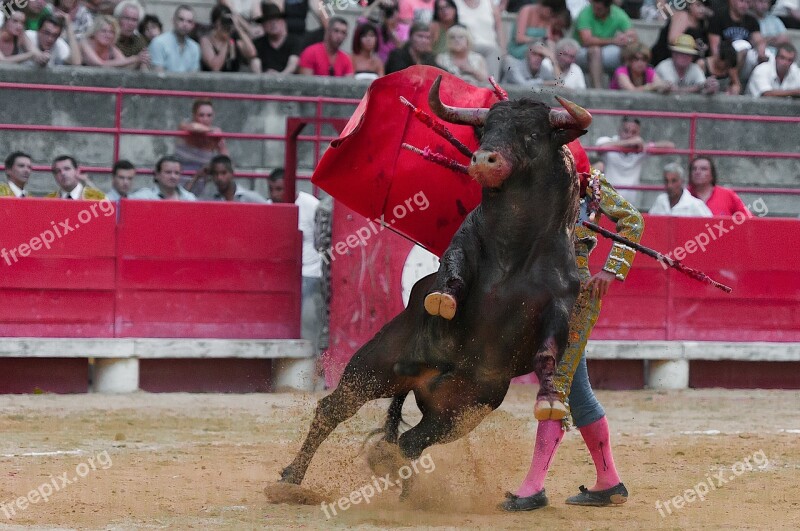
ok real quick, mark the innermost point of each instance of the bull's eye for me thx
(530, 140)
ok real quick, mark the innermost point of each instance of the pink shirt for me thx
(724, 202)
(614, 84)
(315, 57)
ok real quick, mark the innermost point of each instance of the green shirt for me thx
(616, 21)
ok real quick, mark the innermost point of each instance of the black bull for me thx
(499, 305)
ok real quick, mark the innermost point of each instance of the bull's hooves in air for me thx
(441, 304)
(550, 410)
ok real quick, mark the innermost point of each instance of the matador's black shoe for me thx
(515, 503)
(616, 495)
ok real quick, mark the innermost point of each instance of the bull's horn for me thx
(454, 115)
(572, 116)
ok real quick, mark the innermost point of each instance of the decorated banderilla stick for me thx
(675, 264)
(437, 127)
(438, 158)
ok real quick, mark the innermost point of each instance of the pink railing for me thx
(317, 138)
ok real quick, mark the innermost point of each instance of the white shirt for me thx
(765, 78)
(622, 169)
(17, 191)
(307, 206)
(74, 194)
(782, 7)
(667, 72)
(574, 78)
(153, 193)
(58, 55)
(687, 206)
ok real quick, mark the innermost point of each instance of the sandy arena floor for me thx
(202, 462)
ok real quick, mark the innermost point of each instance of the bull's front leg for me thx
(549, 404)
(450, 285)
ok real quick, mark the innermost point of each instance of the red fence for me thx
(164, 269)
(757, 258)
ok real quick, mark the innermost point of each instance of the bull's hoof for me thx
(385, 459)
(550, 410)
(441, 304)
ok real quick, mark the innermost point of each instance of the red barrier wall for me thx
(148, 269)
(758, 259)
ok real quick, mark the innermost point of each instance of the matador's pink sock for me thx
(548, 437)
(598, 441)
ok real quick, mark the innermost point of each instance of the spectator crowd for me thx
(708, 47)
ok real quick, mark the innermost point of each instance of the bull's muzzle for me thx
(489, 168)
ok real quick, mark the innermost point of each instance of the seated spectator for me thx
(789, 12)
(637, 74)
(167, 183)
(722, 69)
(485, 24)
(391, 36)
(278, 51)
(15, 46)
(130, 43)
(693, 21)
(445, 16)
(35, 12)
(325, 58)
(703, 185)
(602, 29)
(226, 188)
(196, 149)
(220, 51)
(98, 48)
(460, 60)
(76, 14)
(175, 51)
(417, 51)
(532, 26)
(572, 77)
(771, 27)
(778, 78)
(18, 171)
(71, 182)
(54, 50)
(413, 11)
(680, 72)
(741, 28)
(150, 28)
(122, 174)
(676, 200)
(559, 27)
(366, 63)
(296, 14)
(535, 71)
(623, 165)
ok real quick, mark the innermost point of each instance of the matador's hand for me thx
(598, 285)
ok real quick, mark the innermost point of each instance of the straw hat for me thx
(684, 44)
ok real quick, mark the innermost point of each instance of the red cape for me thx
(367, 169)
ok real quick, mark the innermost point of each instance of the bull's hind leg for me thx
(368, 376)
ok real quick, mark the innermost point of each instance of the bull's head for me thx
(517, 136)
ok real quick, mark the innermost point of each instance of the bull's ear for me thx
(565, 136)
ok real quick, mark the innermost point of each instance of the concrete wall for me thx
(36, 107)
